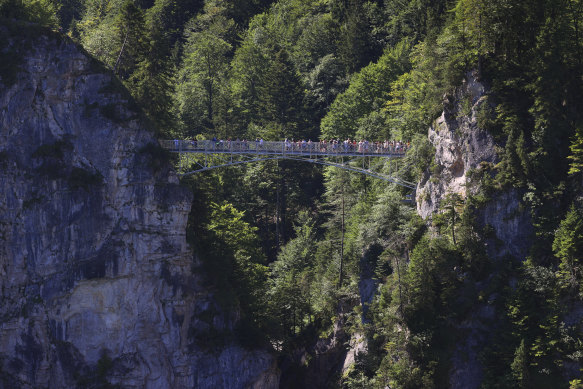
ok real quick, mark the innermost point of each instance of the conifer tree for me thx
(151, 82)
(130, 27)
(576, 156)
(281, 100)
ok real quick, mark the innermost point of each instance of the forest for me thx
(287, 245)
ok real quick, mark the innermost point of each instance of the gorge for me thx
(118, 272)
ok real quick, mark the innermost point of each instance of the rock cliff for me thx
(460, 146)
(97, 282)
(463, 148)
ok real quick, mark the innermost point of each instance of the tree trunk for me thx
(123, 45)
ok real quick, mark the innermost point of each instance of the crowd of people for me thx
(348, 145)
(302, 145)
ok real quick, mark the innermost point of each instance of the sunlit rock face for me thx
(460, 146)
(97, 281)
(462, 150)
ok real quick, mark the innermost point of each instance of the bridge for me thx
(379, 160)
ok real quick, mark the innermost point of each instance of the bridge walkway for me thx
(217, 154)
(307, 149)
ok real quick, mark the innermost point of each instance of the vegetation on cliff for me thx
(288, 244)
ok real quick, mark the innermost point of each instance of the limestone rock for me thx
(460, 145)
(97, 280)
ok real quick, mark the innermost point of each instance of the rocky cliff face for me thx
(460, 146)
(97, 282)
(462, 149)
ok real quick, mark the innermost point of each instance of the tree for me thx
(247, 70)
(241, 262)
(281, 99)
(98, 32)
(326, 81)
(203, 71)
(576, 156)
(355, 46)
(368, 91)
(520, 366)
(451, 206)
(151, 82)
(317, 39)
(43, 12)
(130, 27)
(568, 247)
(291, 277)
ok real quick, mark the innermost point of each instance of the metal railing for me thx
(300, 148)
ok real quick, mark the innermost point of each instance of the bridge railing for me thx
(287, 147)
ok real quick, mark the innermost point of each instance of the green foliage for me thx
(43, 12)
(450, 206)
(280, 101)
(289, 297)
(368, 91)
(568, 247)
(203, 93)
(375, 70)
(130, 26)
(520, 366)
(416, 96)
(576, 156)
(235, 262)
(430, 281)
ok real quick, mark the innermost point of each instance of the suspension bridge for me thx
(379, 160)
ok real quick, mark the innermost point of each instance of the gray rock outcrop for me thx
(96, 278)
(462, 148)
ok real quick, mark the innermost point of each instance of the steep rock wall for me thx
(97, 282)
(462, 147)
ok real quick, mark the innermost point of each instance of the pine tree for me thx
(130, 27)
(520, 366)
(576, 156)
(204, 94)
(281, 100)
(151, 82)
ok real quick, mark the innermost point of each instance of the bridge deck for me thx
(308, 149)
